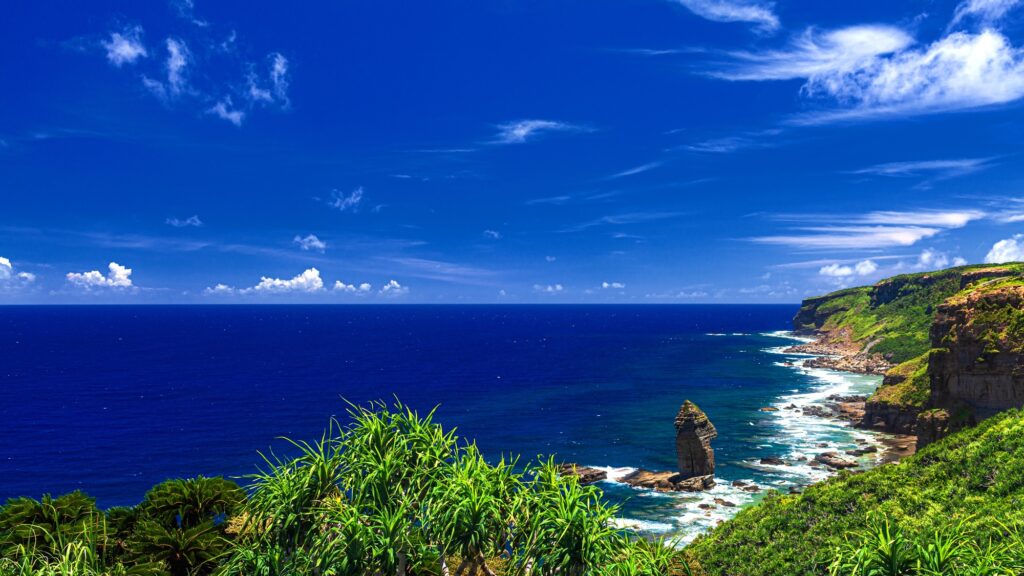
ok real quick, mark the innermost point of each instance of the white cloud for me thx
(940, 169)
(10, 279)
(882, 229)
(190, 221)
(219, 289)
(865, 267)
(345, 202)
(310, 242)
(117, 277)
(225, 110)
(178, 59)
(759, 14)
(340, 286)
(393, 288)
(613, 285)
(874, 71)
(125, 47)
(309, 281)
(277, 91)
(958, 261)
(492, 234)
(932, 260)
(523, 130)
(550, 258)
(835, 270)
(635, 170)
(548, 288)
(1008, 250)
(986, 11)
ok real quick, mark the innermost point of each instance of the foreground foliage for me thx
(972, 480)
(884, 549)
(392, 493)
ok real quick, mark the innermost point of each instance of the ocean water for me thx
(112, 400)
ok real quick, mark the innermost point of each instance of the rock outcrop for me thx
(668, 481)
(586, 474)
(976, 366)
(694, 432)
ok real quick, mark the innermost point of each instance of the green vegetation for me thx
(907, 384)
(393, 493)
(884, 549)
(968, 480)
(895, 315)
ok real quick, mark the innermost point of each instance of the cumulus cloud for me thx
(932, 260)
(874, 71)
(393, 288)
(117, 277)
(125, 47)
(309, 281)
(612, 285)
(1008, 250)
(958, 261)
(219, 289)
(836, 270)
(523, 130)
(193, 221)
(548, 288)
(310, 242)
(363, 288)
(492, 234)
(759, 14)
(343, 202)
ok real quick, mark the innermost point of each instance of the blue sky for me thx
(661, 151)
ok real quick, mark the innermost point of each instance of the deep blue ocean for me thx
(112, 400)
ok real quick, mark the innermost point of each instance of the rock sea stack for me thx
(694, 432)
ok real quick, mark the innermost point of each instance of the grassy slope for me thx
(977, 475)
(900, 325)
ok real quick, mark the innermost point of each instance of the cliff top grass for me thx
(906, 385)
(975, 476)
(895, 314)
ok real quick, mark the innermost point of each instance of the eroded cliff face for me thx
(953, 337)
(976, 367)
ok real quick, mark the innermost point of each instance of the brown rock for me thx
(585, 474)
(833, 460)
(694, 432)
(668, 481)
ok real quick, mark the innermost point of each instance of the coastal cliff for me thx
(949, 343)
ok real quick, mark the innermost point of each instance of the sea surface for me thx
(112, 400)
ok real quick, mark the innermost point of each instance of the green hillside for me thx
(976, 476)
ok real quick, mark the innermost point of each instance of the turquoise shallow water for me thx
(111, 400)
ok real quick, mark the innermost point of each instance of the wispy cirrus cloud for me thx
(623, 219)
(191, 221)
(760, 15)
(874, 230)
(985, 11)
(930, 170)
(636, 170)
(520, 131)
